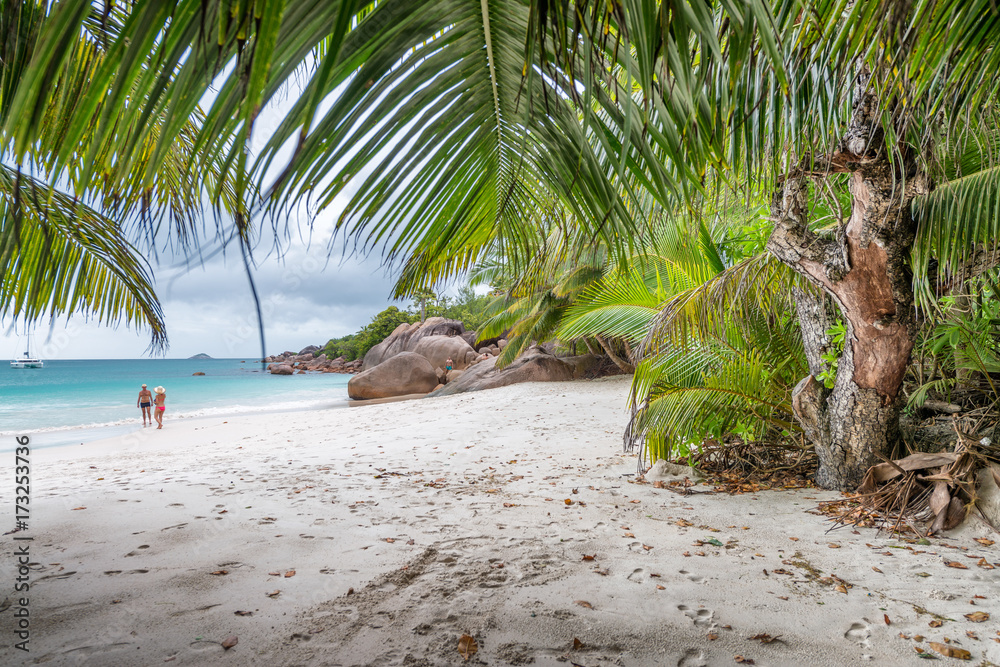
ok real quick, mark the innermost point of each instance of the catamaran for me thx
(27, 361)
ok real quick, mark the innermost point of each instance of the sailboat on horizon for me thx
(27, 361)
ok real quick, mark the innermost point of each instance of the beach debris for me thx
(78, 508)
(936, 490)
(219, 573)
(978, 617)
(290, 573)
(743, 661)
(577, 644)
(390, 540)
(950, 651)
(955, 564)
(467, 646)
(586, 557)
(985, 542)
(568, 501)
(241, 612)
(584, 604)
(274, 574)
(230, 641)
(886, 618)
(273, 594)
(936, 623)
(350, 591)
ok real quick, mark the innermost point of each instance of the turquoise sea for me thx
(73, 401)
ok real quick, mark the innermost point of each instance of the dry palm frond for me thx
(936, 490)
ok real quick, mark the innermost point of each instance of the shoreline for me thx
(67, 436)
(380, 537)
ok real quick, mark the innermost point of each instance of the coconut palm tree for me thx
(440, 127)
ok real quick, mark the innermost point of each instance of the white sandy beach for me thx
(407, 525)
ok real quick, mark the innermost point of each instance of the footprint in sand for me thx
(698, 616)
(859, 632)
(637, 575)
(692, 577)
(692, 658)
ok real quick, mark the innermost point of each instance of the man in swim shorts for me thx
(145, 402)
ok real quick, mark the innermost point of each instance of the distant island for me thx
(200, 355)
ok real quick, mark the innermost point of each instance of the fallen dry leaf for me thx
(794, 539)
(467, 646)
(743, 661)
(658, 484)
(935, 623)
(577, 644)
(978, 617)
(683, 523)
(971, 635)
(984, 541)
(841, 588)
(983, 563)
(390, 540)
(629, 535)
(877, 570)
(950, 651)
(660, 588)
(219, 572)
(584, 603)
(78, 508)
(240, 612)
(886, 617)
(586, 557)
(763, 638)
(635, 502)
(955, 564)
(230, 641)
(833, 546)
(290, 573)
(510, 505)
(646, 547)
(274, 574)
(274, 594)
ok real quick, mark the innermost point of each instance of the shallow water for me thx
(100, 394)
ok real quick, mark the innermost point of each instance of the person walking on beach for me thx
(160, 401)
(145, 402)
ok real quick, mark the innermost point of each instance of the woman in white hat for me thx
(160, 403)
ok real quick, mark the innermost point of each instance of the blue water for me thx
(54, 402)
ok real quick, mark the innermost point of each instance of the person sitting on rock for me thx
(448, 364)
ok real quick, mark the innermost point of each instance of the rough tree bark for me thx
(865, 271)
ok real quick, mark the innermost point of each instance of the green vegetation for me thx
(679, 185)
(467, 307)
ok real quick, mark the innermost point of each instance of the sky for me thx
(208, 308)
(308, 295)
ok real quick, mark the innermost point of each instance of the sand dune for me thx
(381, 535)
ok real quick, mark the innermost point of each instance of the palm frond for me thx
(58, 257)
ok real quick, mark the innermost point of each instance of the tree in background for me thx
(883, 108)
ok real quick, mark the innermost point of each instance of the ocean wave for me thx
(217, 411)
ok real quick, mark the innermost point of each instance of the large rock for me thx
(438, 349)
(309, 349)
(280, 369)
(406, 337)
(536, 365)
(405, 373)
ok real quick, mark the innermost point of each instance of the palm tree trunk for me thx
(865, 271)
(619, 362)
